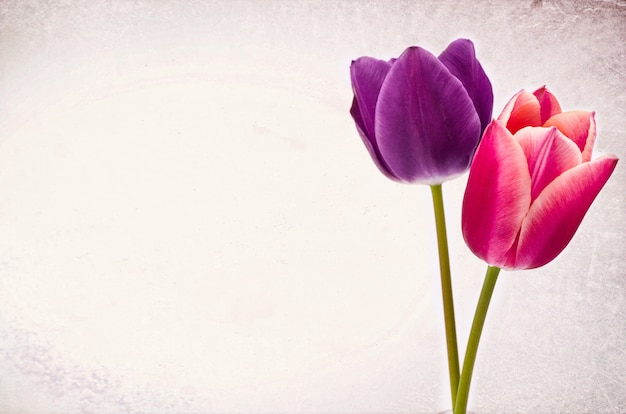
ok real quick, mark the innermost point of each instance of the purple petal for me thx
(371, 146)
(426, 125)
(460, 59)
(367, 75)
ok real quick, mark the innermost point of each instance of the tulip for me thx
(530, 185)
(420, 116)
(528, 192)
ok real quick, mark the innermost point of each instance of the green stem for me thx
(474, 338)
(446, 290)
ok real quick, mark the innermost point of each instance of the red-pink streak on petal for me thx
(548, 103)
(579, 126)
(549, 154)
(557, 213)
(497, 196)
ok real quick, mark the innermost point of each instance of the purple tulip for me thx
(421, 117)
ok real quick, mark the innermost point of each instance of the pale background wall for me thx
(190, 223)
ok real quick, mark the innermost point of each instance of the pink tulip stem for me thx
(446, 290)
(474, 338)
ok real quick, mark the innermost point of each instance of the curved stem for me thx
(474, 338)
(446, 290)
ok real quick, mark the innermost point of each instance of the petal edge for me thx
(557, 213)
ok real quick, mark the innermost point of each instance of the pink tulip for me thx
(529, 187)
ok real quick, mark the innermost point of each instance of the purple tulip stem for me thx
(474, 338)
(446, 290)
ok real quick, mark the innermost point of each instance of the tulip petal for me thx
(497, 196)
(579, 126)
(426, 126)
(521, 111)
(460, 59)
(548, 103)
(370, 145)
(508, 108)
(367, 75)
(557, 213)
(549, 153)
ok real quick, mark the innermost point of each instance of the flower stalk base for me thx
(489, 285)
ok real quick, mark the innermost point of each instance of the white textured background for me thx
(189, 222)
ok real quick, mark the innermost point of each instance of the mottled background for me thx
(189, 222)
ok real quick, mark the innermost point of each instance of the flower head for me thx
(530, 186)
(421, 116)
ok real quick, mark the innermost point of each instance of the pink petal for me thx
(508, 108)
(497, 196)
(579, 126)
(556, 214)
(548, 103)
(549, 153)
(521, 111)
